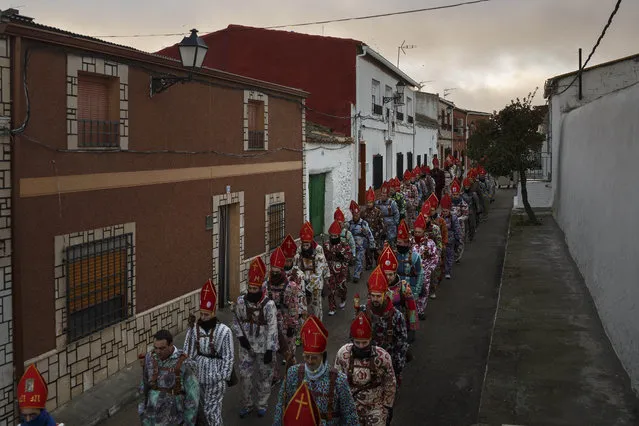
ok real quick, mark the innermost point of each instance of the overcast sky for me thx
(490, 52)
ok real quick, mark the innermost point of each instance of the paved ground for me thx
(550, 362)
(441, 386)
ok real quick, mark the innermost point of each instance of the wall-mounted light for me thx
(192, 53)
(398, 96)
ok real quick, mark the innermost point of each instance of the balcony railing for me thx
(256, 139)
(411, 119)
(399, 115)
(98, 134)
(378, 109)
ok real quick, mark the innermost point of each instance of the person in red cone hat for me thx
(285, 294)
(460, 209)
(400, 291)
(364, 239)
(255, 324)
(328, 386)
(338, 256)
(436, 219)
(209, 343)
(390, 213)
(426, 247)
(372, 215)
(170, 384)
(395, 187)
(411, 196)
(388, 324)
(454, 234)
(311, 261)
(294, 273)
(471, 199)
(32, 399)
(426, 186)
(370, 373)
(302, 409)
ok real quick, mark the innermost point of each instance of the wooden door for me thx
(317, 191)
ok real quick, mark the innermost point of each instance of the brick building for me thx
(116, 206)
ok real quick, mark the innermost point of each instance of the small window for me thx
(255, 124)
(419, 160)
(376, 97)
(378, 171)
(99, 284)
(409, 160)
(400, 165)
(276, 225)
(409, 110)
(98, 123)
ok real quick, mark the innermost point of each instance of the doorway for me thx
(228, 266)
(317, 193)
(361, 191)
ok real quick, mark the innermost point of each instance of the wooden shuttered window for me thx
(256, 124)
(95, 127)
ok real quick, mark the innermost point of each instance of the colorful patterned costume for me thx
(411, 196)
(390, 214)
(364, 240)
(338, 256)
(170, 390)
(328, 387)
(429, 255)
(400, 291)
(315, 270)
(295, 274)
(459, 208)
(210, 345)
(257, 322)
(454, 231)
(398, 197)
(373, 217)
(371, 377)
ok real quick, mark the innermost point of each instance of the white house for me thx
(426, 126)
(385, 126)
(594, 138)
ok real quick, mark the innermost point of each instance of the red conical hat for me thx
(302, 409)
(278, 259)
(416, 172)
(361, 327)
(335, 228)
(354, 207)
(339, 215)
(420, 222)
(289, 247)
(397, 184)
(257, 272)
(377, 282)
(426, 170)
(435, 163)
(314, 336)
(402, 231)
(370, 195)
(446, 203)
(208, 297)
(467, 183)
(407, 175)
(385, 188)
(32, 389)
(306, 233)
(454, 187)
(433, 201)
(387, 260)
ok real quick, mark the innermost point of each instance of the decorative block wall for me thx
(270, 199)
(76, 367)
(7, 398)
(102, 67)
(223, 200)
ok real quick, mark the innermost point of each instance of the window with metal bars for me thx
(96, 129)
(276, 225)
(99, 284)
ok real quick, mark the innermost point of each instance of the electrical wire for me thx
(594, 48)
(328, 21)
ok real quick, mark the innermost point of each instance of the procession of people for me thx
(410, 236)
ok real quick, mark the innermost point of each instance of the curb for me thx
(127, 398)
(492, 331)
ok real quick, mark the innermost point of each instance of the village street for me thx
(442, 385)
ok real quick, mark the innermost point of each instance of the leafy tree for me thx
(510, 141)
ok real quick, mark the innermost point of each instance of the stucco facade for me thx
(594, 159)
(177, 198)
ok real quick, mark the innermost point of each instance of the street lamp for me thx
(398, 96)
(192, 52)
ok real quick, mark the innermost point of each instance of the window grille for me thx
(95, 128)
(276, 225)
(99, 284)
(256, 125)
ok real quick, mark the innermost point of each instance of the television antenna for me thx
(403, 48)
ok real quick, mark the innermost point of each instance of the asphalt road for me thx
(442, 385)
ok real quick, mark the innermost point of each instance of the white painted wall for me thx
(338, 163)
(374, 129)
(539, 195)
(426, 137)
(595, 199)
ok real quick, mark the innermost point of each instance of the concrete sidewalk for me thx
(550, 361)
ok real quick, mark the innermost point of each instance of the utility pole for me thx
(403, 48)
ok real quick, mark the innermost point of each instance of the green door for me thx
(316, 191)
